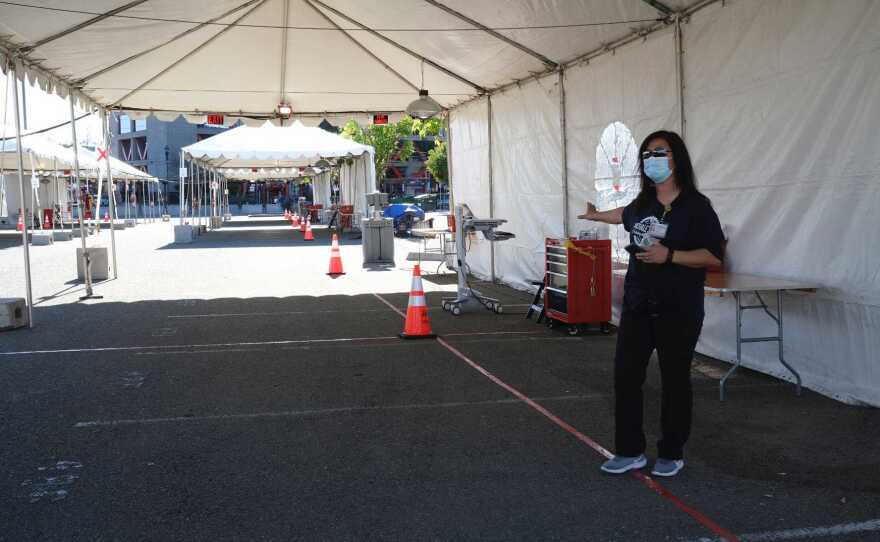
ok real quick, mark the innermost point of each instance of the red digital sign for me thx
(215, 119)
(380, 119)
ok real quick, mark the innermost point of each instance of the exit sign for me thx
(215, 119)
(380, 119)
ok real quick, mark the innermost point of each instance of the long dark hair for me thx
(684, 170)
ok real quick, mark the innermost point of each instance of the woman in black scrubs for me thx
(674, 236)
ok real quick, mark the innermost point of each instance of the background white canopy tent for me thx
(272, 152)
(777, 101)
(53, 163)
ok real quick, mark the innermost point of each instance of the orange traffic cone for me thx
(295, 220)
(46, 224)
(308, 229)
(417, 324)
(302, 225)
(335, 259)
(20, 225)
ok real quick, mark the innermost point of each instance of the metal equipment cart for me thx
(578, 283)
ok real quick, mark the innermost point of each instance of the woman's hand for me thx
(655, 254)
(591, 213)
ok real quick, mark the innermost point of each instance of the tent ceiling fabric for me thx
(225, 56)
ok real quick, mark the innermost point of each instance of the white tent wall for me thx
(469, 169)
(46, 193)
(782, 114)
(356, 180)
(321, 189)
(527, 176)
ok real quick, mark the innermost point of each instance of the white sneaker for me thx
(620, 464)
(667, 467)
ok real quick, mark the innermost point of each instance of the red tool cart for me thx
(577, 283)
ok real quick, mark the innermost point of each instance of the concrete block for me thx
(42, 238)
(63, 235)
(130, 223)
(119, 225)
(13, 313)
(76, 233)
(166, 218)
(100, 264)
(183, 233)
(203, 229)
(216, 222)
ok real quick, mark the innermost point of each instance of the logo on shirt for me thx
(647, 231)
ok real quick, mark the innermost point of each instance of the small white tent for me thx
(272, 151)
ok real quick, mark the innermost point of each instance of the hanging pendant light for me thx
(424, 107)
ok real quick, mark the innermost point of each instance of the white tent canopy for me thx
(275, 152)
(43, 154)
(242, 57)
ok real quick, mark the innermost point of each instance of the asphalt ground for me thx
(230, 390)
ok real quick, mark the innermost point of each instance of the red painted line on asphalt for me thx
(649, 482)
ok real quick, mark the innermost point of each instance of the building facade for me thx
(153, 145)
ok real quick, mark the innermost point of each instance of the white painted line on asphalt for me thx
(318, 412)
(172, 353)
(241, 314)
(805, 533)
(179, 346)
(289, 313)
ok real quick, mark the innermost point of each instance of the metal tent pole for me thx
(491, 191)
(87, 271)
(181, 187)
(679, 76)
(111, 195)
(12, 74)
(562, 129)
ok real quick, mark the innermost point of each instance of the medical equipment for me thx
(465, 224)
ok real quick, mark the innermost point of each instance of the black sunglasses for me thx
(659, 152)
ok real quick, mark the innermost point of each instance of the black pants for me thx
(674, 336)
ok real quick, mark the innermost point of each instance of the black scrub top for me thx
(691, 223)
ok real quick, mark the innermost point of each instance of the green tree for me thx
(437, 163)
(384, 138)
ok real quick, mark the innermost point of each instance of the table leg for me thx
(781, 355)
(739, 311)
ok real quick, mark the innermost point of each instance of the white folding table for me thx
(736, 284)
(719, 284)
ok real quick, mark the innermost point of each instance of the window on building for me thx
(140, 124)
(124, 124)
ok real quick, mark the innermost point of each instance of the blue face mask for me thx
(657, 169)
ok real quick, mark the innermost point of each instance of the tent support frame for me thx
(364, 48)
(23, 212)
(406, 50)
(679, 76)
(458, 15)
(87, 267)
(201, 46)
(82, 81)
(491, 191)
(84, 24)
(111, 192)
(564, 152)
